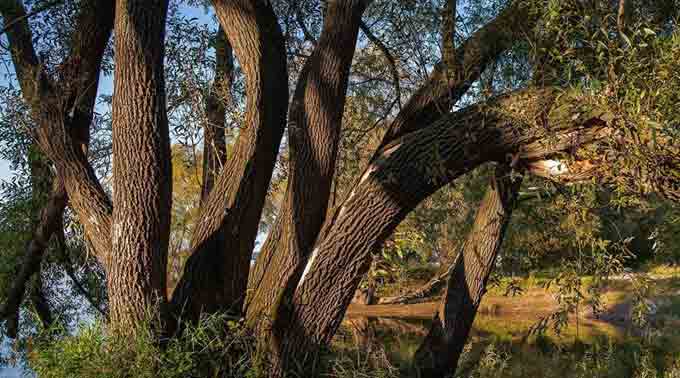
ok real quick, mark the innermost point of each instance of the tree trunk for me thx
(60, 104)
(63, 113)
(438, 355)
(406, 172)
(136, 267)
(314, 135)
(216, 275)
(432, 287)
(214, 136)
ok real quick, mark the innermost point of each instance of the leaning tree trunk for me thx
(439, 353)
(422, 293)
(48, 222)
(216, 274)
(406, 172)
(314, 135)
(63, 113)
(137, 264)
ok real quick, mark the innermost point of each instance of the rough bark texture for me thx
(62, 108)
(216, 275)
(438, 355)
(136, 267)
(313, 135)
(59, 104)
(214, 137)
(406, 172)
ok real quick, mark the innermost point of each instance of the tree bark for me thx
(438, 355)
(433, 286)
(314, 135)
(408, 171)
(136, 267)
(62, 109)
(61, 104)
(214, 136)
(216, 275)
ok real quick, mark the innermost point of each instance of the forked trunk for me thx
(406, 172)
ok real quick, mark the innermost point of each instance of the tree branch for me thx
(389, 57)
(49, 222)
(216, 274)
(33, 12)
(440, 92)
(62, 107)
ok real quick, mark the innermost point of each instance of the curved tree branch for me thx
(389, 57)
(216, 275)
(315, 123)
(49, 222)
(62, 106)
(447, 83)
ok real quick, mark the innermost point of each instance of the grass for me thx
(379, 348)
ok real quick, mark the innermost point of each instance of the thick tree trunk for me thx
(136, 266)
(314, 135)
(216, 275)
(439, 353)
(406, 172)
(214, 136)
(428, 104)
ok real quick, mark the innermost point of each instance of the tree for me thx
(315, 255)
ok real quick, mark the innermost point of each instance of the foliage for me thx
(215, 347)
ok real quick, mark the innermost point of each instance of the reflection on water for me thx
(400, 337)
